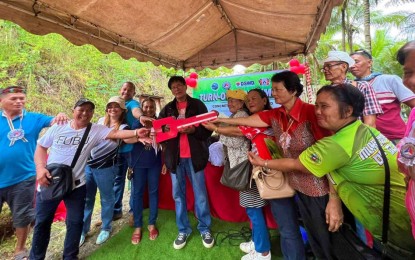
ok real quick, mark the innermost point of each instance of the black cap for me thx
(83, 101)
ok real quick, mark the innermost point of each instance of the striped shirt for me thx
(104, 154)
(390, 93)
(372, 106)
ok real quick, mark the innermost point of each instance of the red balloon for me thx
(187, 81)
(193, 75)
(295, 69)
(191, 82)
(294, 63)
(298, 69)
(301, 69)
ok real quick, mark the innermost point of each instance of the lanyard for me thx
(15, 134)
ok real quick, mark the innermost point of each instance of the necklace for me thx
(285, 137)
(15, 134)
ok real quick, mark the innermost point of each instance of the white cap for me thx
(339, 56)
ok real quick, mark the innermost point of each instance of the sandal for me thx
(136, 238)
(22, 255)
(154, 233)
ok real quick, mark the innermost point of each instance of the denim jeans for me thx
(201, 206)
(45, 211)
(103, 179)
(151, 177)
(260, 234)
(285, 213)
(123, 161)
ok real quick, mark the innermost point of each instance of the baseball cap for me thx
(339, 56)
(83, 101)
(116, 99)
(236, 94)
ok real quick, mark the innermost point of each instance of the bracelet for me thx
(266, 164)
(334, 195)
(135, 133)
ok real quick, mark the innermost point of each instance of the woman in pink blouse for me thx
(406, 57)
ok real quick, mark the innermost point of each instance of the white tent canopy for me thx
(181, 33)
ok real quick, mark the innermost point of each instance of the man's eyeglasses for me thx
(13, 89)
(329, 66)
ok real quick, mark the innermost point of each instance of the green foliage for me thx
(57, 73)
(276, 153)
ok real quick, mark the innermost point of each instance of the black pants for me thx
(313, 214)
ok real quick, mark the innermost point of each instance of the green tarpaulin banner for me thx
(213, 91)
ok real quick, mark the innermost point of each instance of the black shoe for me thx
(208, 240)
(180, 241)
(116, 216)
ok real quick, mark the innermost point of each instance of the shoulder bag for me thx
(237, 177)
(61, 182)
(271, 184)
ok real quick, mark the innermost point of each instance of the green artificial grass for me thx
(228, 236)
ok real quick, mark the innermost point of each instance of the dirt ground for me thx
(8, 240)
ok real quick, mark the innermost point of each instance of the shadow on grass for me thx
(226, 247)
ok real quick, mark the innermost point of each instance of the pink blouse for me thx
(410, 193)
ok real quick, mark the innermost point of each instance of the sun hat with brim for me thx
(340, 56)
(116, 99)
(83, 101)
(236, 94)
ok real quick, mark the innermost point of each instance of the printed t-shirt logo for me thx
(315, 158)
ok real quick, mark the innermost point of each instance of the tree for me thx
(368, 41)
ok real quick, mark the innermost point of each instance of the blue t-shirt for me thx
(130, 104)
(16, 161)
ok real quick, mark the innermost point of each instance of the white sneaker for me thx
(247, 247)
(254, 255)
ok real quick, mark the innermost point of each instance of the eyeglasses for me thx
(329, 66)
(13, 89)
(362, 52)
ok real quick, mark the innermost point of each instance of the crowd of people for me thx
(333, 154)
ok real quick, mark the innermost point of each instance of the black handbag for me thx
(61, 182)
(347, 245)
(237, 177)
